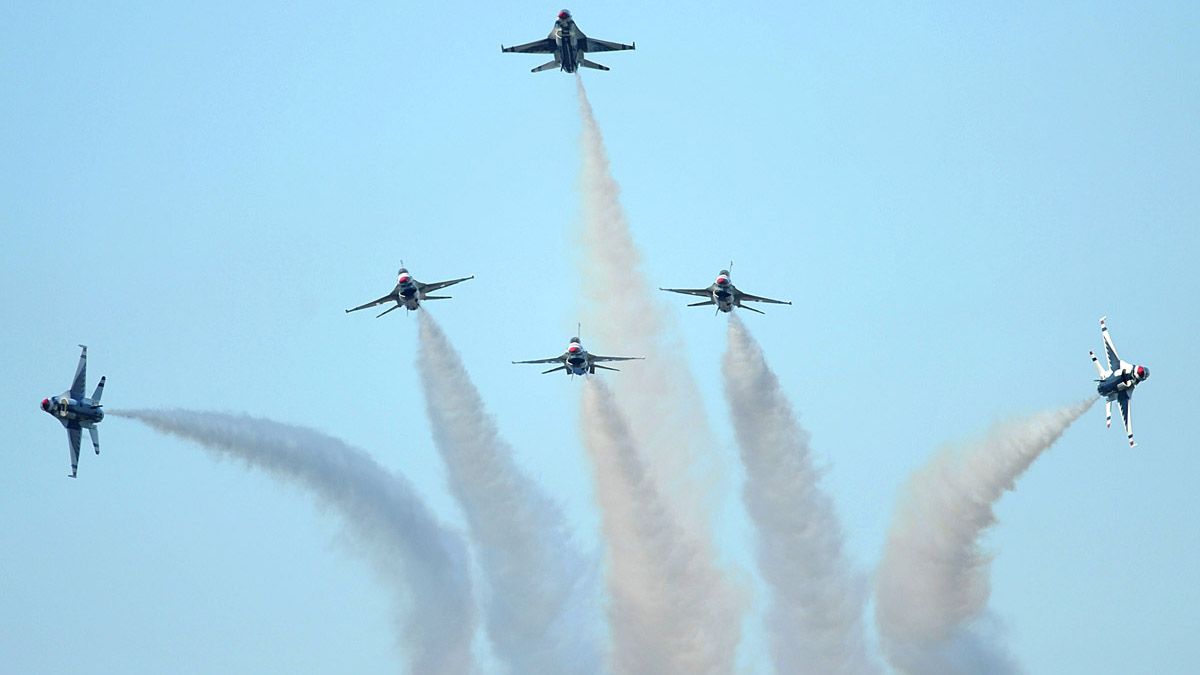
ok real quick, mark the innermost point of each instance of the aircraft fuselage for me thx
(1120, 380)
(568, 45)
(66, 410)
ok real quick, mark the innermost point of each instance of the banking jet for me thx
(578, 361)
(725, 295)
(1117, 382)
(409, 293)
(569, 45)
(76, 412)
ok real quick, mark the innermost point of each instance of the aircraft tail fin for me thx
(546, 66)
(592, 64)
(99, 390)
(1099, 368)
(95, 433)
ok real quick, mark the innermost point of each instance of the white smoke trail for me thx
(542, 611)
(814, 619)
(933, 581)
(670, 611)
(658, 397)
(425, 564)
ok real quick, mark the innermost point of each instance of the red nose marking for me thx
(1141, 371)
(573, 348)
(45, 403)
(404, 278)
(722, 280)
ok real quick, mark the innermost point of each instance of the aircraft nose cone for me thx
(404, 278)
(45, 404)
(573, 348)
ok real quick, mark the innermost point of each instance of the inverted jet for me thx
(569, 46)
(409, 293)
(1116, 382)
(725, 295)
(77, 413)
(578, 361)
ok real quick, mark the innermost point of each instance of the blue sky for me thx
(951, 195)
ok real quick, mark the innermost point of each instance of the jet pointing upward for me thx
(569, 46)
(725, 295)
(409, 293)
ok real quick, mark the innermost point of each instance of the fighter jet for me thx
(568, 44)
(578, 361)
(725, 295)
(409, 293)
(76, 412)
(1117, 382)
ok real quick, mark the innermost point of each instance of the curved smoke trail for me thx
(659, 398)
(669, 607)
(542, 614)
(933, 581)
(432, 587)
(814, 619)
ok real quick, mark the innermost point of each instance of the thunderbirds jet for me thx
(569, 45)
(724, 295)
(1117, 382)
(409, 293)
(76, 412)
(578, 361)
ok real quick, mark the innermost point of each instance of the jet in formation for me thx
(725, 295)
(1116, 382)
(578, 361)
(569, 46)
(409, 293)
(77, 413)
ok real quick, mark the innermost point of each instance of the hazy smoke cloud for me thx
(933, 582)
(815, 614)
(543, 612)
(670, 609)
(424, 563)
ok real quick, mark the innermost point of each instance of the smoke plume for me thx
(542, 611)
(425, 564)
(659, 398)
(670, 610)
(814, 618)
(933, 583)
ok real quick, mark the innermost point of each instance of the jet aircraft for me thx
(578, 361)
(409, 293)
(1117, 382)
(569, 46)
(77, 413)
(725, 295)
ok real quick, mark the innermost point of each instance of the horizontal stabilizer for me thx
(388, 310)
(752, 309)
(436, 297)
(544, 372)
(546, 66)
(99, 390)
(1099, 368)
(95, 438)
(592, 64)
(597, 365)
(701, 304)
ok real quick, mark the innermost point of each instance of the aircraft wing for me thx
(545, 46)
(596, 358)
(759, 298)
(74, 437)
(438, 285)
(593, 45)
(703, 292)
(1114, 361)
(1125, 403)
(556, 359)
(80, 376)
(374, 303)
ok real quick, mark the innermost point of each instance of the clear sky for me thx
(951, 195)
